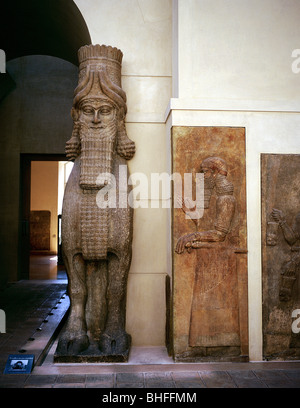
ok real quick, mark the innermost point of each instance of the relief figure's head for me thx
(214, 170)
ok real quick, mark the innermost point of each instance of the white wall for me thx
(238, 49)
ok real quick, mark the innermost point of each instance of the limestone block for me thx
(149, 241)
(146, 309)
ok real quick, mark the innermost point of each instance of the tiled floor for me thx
(143, 378)
(45, 267)
(28, 303)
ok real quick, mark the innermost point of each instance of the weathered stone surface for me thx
(97, 233)
(210, 254)
(281, 254)
(40, 230)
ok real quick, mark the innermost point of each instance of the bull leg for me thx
(74, 338)
(114, 339)
(96, 276)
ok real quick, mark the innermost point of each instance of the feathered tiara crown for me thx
(101, 56)
(100, 73)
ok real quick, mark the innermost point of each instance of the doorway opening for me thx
(43, 191)
(47, 185)
(48, 181)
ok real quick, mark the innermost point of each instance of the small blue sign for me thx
(19, 364)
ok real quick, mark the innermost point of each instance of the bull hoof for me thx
(72, 346)
(113, 344)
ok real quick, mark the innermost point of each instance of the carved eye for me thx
(105, 110)
(88, 110)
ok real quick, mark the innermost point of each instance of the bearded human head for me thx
(215, 165)
(99, 109)
(100, 83)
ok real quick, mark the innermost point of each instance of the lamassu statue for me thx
(96, 240)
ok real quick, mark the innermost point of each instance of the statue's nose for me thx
(96, 118)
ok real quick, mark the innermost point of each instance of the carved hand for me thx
(278, 215)
(184, 242)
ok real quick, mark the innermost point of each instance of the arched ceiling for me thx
(42, 27)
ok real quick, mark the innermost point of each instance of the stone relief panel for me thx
(280, 255)
(40, 222)
(210, 250)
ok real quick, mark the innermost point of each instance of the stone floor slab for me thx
(217, 379)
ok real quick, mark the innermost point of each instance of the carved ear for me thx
(74, 114)
(121, 115)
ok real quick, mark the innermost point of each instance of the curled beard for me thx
(97, 148)
(209, 185)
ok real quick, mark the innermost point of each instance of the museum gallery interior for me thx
(150, 149)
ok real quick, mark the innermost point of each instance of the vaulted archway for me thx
(41, 39)
(48, 27)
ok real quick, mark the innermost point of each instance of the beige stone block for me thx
(150, 142)
(146, 309)
(147, 98)
(149, 246)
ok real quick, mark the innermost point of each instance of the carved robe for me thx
(214, 315)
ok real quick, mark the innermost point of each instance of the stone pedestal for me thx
(93, 355)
